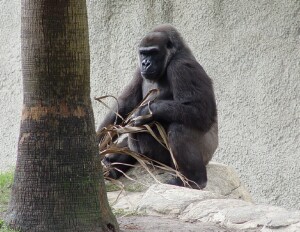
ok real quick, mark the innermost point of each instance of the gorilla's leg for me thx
(145, 144)
(186, 149)
(118, 162)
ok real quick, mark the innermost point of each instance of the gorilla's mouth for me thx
(150, 75)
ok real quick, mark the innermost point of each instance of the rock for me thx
(171, 200)
(254, 216)
(222, 179)
(162, 224)
(123, 200)
(224, 205)
(205, 210)
(204, 206)
(241, 215)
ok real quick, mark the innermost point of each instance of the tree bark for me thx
(58, 183)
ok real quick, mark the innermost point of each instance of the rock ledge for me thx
(224, 202)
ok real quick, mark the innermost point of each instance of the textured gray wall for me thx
(10, 81)
(249, 48)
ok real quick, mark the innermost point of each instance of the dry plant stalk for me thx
(110, 134)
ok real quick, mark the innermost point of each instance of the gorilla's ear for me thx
(170, 44)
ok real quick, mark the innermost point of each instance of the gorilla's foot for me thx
(178, 182)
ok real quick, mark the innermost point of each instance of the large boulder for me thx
(223, 204)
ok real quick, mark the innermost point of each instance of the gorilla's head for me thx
(157, 49)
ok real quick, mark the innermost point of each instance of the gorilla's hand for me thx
(143, 115)
(112, 172)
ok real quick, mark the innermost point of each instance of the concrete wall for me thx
(249, 48)
(10, 81)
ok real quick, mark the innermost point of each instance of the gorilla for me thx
(184, 105)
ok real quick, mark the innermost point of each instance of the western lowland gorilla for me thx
(184, 105)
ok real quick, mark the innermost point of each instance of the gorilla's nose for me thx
(146, 63)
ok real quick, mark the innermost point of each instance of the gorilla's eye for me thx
(169, 44)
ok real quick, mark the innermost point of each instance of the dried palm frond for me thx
(110, 134)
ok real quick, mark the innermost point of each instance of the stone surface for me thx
(215, 205)
(249, 48)
(10, 81)
(166, 199)
(241, 215)
(159, 224)
(123, 200)
(205, 210)
(222, 180)
(200, 206)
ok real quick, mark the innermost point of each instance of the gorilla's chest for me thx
(164, 91)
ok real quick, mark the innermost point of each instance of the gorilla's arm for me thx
(193, 101)
(127, 101)
(191, 114)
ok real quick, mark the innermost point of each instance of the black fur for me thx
(185, 106)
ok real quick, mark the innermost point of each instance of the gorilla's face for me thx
(154, 55)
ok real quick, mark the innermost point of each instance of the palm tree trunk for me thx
(58, 182)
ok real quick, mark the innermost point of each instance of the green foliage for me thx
(4, 228)
(115, 185)
(136, 187)
(6, 180)
(111, 186)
